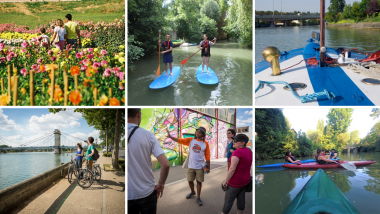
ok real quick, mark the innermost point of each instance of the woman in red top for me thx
(238, 175)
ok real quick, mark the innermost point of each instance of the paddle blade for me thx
(349, 166)
(158, 71)
(184, 61)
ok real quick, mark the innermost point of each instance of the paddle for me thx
(349, 166)
(185, 60)
(159, 53)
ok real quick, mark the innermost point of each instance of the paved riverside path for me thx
(176, 188)
(63, 197)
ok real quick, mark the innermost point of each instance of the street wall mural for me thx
(159, 119)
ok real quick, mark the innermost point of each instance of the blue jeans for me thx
(79, 165)
(73, 43)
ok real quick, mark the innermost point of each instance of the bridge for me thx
(287, 19)
(49, 141)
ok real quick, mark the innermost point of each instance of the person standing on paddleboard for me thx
(168, 57)
(205, 54)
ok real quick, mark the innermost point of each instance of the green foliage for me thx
(111, 37)
(109, 154)
(134, 51)
(346, 14)
(208, 26)
(240, 21)
(211, 9)
(375, 113)
(339, 119)
(335, 9)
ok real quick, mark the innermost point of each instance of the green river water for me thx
(231, 62)
(274, 190)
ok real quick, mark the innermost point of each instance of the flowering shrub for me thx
(100, 74)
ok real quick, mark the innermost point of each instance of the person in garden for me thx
(198, 152)
(333, 154)
(62, 34)
(238, 175)
(143, 191)
(90, 153)
(230, 142)
(168, 57)
(205, 53)
(44, 39)
(289, 158)
(79, 157)
(320, 158)
(73, 32)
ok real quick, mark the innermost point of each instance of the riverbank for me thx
(360, 25)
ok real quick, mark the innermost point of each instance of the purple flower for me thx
(107, 72)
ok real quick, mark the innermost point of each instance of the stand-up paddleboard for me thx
(164, 81)
(207, 78)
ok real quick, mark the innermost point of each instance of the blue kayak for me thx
(207, 78)
(279, 164)
(164, 81)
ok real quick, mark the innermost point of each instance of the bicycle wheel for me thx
(75, 169)
(70, 174)
(87, 178)
(98, 173)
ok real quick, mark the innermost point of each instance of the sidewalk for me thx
(176, 188)
(65, 198)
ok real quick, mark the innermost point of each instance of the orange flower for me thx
(75, 70)
(114, 102)
(23, 91)
(90, 71)
(85, 81)
(58, 94)
(50, 67)
(103, 100)
(75, 97)
(41, 68)
(55, 88)
(123, 99)
(4, 100)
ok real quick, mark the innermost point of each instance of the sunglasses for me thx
(229, 133)
(238, 141)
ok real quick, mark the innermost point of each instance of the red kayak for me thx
(325, 166)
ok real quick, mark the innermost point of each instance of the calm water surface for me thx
(231, 62)
(289, 38)
(17, 167)
(276, 189)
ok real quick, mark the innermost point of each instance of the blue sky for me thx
(307, 119)
(21, 125)
(244, 117)
(292, 5)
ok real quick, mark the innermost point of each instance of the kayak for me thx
(315, 165)
(209, 78)
(164, 81)
(279, 164)
(320, 195)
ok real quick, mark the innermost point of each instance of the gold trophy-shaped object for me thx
(272, 55)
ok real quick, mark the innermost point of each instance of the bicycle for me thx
(72, 169)
(88, 175)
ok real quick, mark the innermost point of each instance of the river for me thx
(289, 38)
(18, 167)
(231, 62)
(276, 189)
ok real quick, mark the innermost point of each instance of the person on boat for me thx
(79, 157)
(205, 54)
(321, 159)
(289, 158)
(168, 57)
(333, 154)
(230, 142)
(239, 175)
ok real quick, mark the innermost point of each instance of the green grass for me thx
(346, 21)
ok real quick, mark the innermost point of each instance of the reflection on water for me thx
(275, 189)
(17, 167)
(290, 38)
(231, 63)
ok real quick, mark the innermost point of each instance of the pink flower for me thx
(115, 70)
(83, 68)
(90, 56)
(78, 55)
(24, 72)
(53, 58)
(11, 54)
(121, 87)
(90, 50)
(1, 46)
(104, 63)
(23, 50)
(96, 65)
(50, 52)
(9, 58)
(103, 52)
(87, 62)
(34, 39)
(28, 55)
(24, 44)
(34, 67)
(39, 61)
(107, 72)
(121, 75)
(2, 59)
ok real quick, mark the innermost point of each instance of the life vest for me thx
(207, 48)
(332, 154)
(167, 46)
(319, 161)
(291, 157)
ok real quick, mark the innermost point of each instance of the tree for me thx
(240, 21)
(115, 154)
(356, 12)
(372, 7)
(346, 14)
(339, 119)
(375, 113)
(211, 9)
(354, 137)
(336, 8)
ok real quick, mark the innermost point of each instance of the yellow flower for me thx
(96, 50)
(121, 59)
(121, 46)
(4, 100)
(63, 63)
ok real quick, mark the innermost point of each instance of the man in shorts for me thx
(168, 57)
(205, 54)
(198, 151)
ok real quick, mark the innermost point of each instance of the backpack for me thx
(96, 154)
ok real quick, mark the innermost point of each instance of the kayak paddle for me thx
(349, 166)
(159, 53)
(185, 60)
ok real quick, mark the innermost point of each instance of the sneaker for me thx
(199, 202)
(190, 195)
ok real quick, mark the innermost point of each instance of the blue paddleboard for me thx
(164, 81)
(279, 164)
(207, 78)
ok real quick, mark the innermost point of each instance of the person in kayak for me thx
(289, 158)
(333, 154)
(168, 57)
(321, 159)
(205, 54)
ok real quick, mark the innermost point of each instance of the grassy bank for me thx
(36, 13)
(345, 21)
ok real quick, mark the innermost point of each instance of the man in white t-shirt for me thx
(198, 152)
(143, 192)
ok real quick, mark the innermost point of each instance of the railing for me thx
(287, 16)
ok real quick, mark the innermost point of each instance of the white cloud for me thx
(60, 120)
(247, 122)
(249, 112)
(8, 124)
(241, 117)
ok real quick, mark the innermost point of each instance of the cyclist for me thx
(90, 153)
(79, 157)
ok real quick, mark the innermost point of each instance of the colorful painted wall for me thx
(159, 119)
